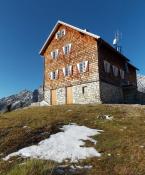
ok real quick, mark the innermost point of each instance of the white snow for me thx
(68, 144)
(108, 117)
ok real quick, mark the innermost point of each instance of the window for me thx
(82, 66)
(126, 68)
(67, 49)
(122, 74)
(60, 34)
(115, 70)
(54, 54)
(83, 89)
(106, 66)
(54, 75)
(67, 70)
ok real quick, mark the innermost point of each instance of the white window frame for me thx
(60, 34)
(107, 66)
(82, 66)
(67, 71)
(54, 54)
(67, 48)
(54, 75)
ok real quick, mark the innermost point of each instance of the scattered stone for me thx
(105, 117)
(142, 146)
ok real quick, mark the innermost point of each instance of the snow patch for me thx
(66, 145)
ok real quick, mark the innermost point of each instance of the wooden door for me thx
(69, 96)
(53, 97)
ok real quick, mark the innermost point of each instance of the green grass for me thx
(121, 143)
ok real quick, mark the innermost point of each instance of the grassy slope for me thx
(120, 143)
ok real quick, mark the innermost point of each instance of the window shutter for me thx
(56, 53)
(56, 36)
(115, 71)
(52, 54)
(63, 32)
(70, 69)
(86, 66)
(78, 66)
(64, 49)
(63, 71)
(56, 72)
(108, 67)
(51, 75)
(70, 45)
(105, 65)
(122, 73)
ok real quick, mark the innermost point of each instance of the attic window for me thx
(67, 49)
(60, 34)
(54, 54)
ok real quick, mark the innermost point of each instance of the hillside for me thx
(121, 143)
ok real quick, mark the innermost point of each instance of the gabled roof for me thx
(68, 25)
(82, 31)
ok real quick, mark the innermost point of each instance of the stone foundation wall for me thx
(47, 96)
(86, 93)
(61, 96)
(110, 93)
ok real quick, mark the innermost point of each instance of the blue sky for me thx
(25, 24)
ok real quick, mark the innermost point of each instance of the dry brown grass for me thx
(121, 144)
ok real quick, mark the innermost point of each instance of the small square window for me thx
(60, 34)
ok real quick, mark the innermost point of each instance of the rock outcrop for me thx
(22, 99)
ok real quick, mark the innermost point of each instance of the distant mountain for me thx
(141, 83)
(23, 99)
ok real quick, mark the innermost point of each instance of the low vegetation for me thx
(121, 144)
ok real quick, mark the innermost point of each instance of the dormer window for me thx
(60, 34)
(54, 54)
(67, 49)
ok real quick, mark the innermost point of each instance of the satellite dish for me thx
(114, 41)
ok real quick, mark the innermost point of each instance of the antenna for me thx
(116, 41)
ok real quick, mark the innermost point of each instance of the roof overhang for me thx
(45, 45)
(113, 49)
(55, 29)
